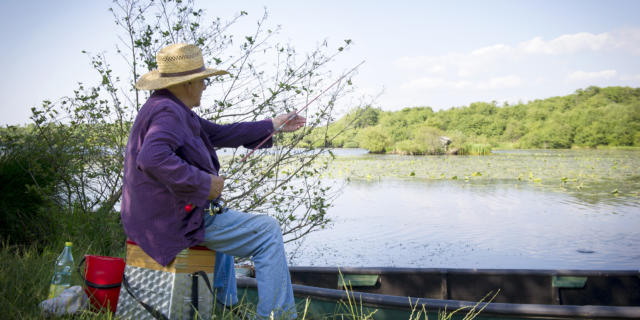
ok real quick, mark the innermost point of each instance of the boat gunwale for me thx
(376, 300)
(537, 272)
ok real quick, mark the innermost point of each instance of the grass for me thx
(476, 149)
(354, 308)
(420, 311)
(22, 280)
(26, 271)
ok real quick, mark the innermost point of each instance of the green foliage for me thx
(373, 139)
(85, 135)
(27, 171)
(27, 270)
(553, 135)
(35, 221)
(590, 117)
(363, 117)
(514, 130)
(430, 138)
(344, 131)
(474, 149)
(86, 149)
(61, 176)
(426, 140)
(42, 186)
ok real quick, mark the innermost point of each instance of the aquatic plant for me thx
(587, 172)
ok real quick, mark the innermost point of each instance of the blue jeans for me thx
(241, 234)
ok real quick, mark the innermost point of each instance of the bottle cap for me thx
(68, 244)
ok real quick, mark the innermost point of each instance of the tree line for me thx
(588, 117)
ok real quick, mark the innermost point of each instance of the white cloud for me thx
(510, 81)
(433, 65)
(532, 68)
(464, 65)
(568, 43)
(579, 76)
(492, 51)
(488, 58)
(434, 83)
(621, 40)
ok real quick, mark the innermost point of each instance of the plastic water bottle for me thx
(62, 272)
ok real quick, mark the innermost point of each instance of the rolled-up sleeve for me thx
(158, 159)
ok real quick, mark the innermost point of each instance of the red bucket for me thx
(102, 277)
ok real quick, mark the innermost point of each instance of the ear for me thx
(187, 86)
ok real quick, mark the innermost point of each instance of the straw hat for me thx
(177, 63)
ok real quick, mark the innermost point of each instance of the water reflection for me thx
(480, 225)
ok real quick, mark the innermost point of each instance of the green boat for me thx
(402, 293)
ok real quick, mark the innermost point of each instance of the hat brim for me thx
(153, 81)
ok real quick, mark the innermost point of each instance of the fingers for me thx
(294, 125)
(289, 121)
(296, 118)
(217, 184)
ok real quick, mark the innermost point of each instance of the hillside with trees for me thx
(589, 117)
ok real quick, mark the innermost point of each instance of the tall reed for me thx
(475, 149)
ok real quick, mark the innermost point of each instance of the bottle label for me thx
(56, 289)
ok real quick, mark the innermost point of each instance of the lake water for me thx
(519, 209)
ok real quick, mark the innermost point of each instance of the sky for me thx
(440, 54)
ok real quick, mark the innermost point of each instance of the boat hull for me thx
(394, 293)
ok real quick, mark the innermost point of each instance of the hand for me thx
(217, 183)
(296, 122)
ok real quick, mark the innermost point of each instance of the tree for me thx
(373, 139)
(590, 117)
(25, 168)
(365, 117)
(85, 135)
(515, 130)
(284, 182)
(426, 140)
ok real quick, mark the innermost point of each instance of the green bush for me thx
(410, 147)
(31, 180)
(353, 144)
(25, 171)
(429, 139)
(373, 139)
(590, 117)
(34, 226)
(426, 141)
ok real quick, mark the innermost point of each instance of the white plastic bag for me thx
(70, 301)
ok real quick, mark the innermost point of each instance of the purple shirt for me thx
(169, 156)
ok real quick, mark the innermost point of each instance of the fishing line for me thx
(218, 205)
(294, 116)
